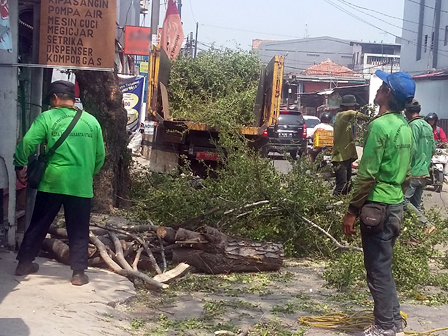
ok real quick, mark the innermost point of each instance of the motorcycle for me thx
(437, 169)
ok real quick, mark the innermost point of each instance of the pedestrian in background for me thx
(378, 198)
(344, 149)
(67, 180)
(422, 151)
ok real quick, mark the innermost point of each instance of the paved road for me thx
(430, 198)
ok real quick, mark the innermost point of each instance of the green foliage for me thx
(137, 324)
(345, 271)
(217, 88)
(245, 179)
(274, 327)
(413, 252)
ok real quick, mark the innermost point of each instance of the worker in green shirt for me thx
(422, 152)
(67, 180)
(378, 196)
(344, 150)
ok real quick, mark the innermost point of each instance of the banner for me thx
(132, 88)
(5, 29)
(137, 40)
(172, 32)
(78, 33)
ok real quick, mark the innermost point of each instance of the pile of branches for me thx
(135, 250)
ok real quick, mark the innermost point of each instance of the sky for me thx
(235, 23)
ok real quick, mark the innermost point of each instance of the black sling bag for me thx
(36, 168)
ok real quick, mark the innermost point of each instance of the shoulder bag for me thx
(36, 168)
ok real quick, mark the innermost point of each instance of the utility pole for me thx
(196, 40)
(155, 9)
(37, 77)
(8, 115)
(191, 43)
(179, 7)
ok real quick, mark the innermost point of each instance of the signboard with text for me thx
(137, 40)
(78, 33)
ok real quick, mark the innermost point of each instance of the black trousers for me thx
(378, 251)
(343, 172)
(77, 218)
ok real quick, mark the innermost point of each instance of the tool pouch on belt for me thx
(373, 216)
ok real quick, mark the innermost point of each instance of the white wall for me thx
(409, 62)
(432, 95)
(375, 83)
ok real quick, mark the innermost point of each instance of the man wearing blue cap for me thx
(378, 197)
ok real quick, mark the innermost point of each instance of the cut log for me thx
(177, 272)
(223, 254)
(58, 249)
(190, 237)
(57, 232)
(166, 233)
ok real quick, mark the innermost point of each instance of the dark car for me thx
(290, 135)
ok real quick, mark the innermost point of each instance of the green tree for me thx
(217, 88)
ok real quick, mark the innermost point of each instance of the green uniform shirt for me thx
(424, 147)
(70, 170)
(385, 163)
(344, 141)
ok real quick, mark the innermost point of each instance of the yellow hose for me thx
(352, 323)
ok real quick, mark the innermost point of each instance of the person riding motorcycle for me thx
(441, 143)
(325, 120)
(439, 134)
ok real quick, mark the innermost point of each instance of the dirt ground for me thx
(267, 303)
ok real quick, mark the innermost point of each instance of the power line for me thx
(418, 3)
(412, 31)
(372, 25)
(248, 31)
(192, 13)
(384, 14)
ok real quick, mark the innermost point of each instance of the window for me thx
(426, 43)
(316, 55)
(432, 41)
(446, 35)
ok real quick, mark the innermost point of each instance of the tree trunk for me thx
(222, 254)
(102, 97)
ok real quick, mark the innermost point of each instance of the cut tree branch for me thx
(334, 240)
(119, 252)
(137, 258)
(117, 269)
(247, 206)
(140, 240)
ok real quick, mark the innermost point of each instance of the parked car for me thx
(311, 122)
(290, 135)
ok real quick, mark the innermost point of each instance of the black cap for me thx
(349, 100)
(60, 86)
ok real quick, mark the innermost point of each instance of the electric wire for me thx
(418, 3)
(381, 13)
(393, 25)
(191, 9)
(441, 52)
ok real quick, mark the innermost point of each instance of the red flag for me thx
(172, 32)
